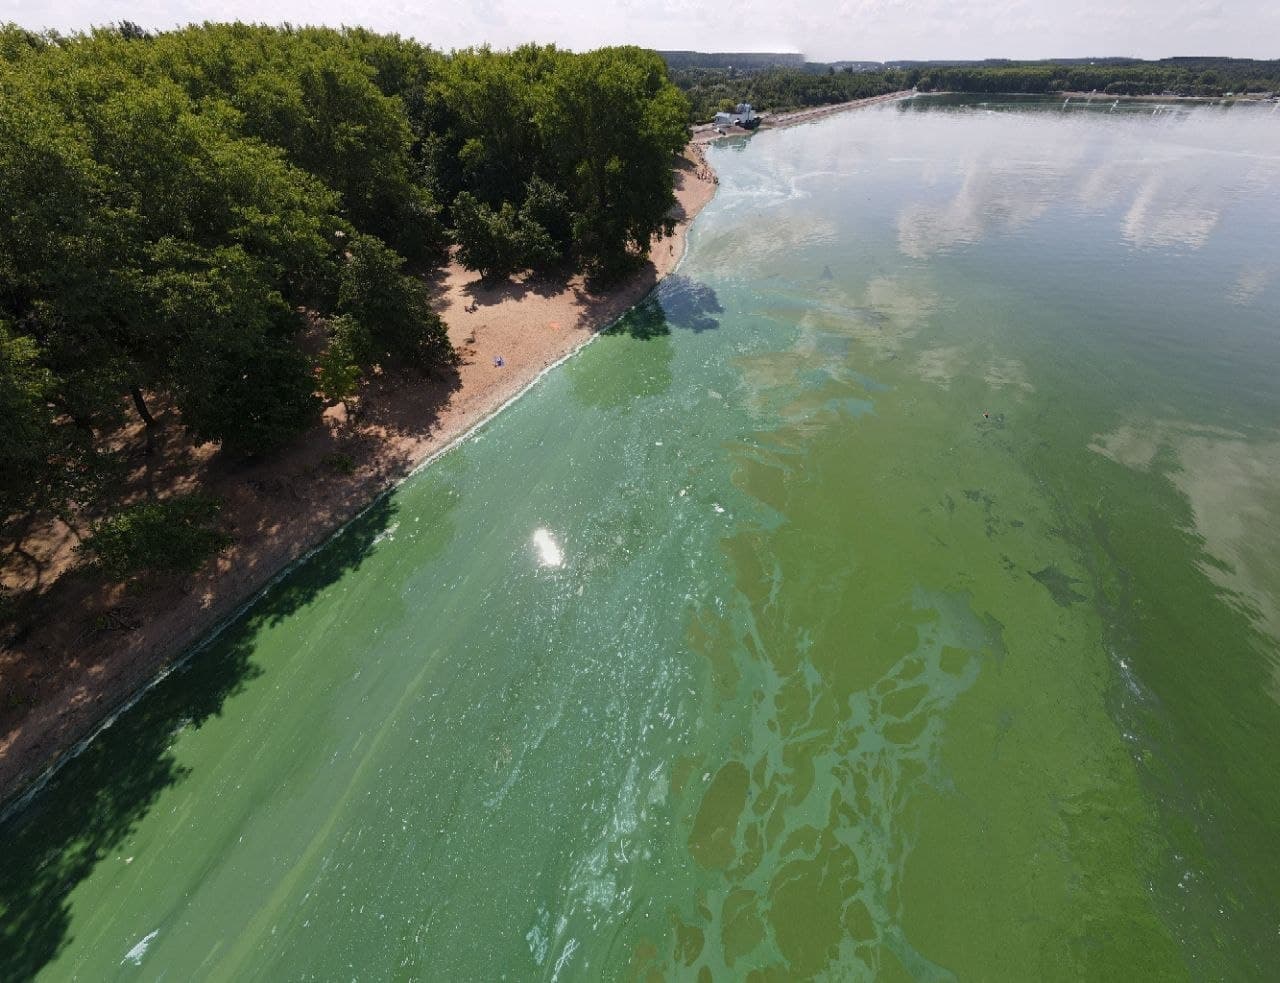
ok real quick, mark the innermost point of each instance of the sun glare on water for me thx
(549, 554)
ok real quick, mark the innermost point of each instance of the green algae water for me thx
(895, 594)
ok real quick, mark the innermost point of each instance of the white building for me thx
(742, 115)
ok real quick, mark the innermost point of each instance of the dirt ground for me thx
(83, 647)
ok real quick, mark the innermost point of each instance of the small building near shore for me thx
(743, 115)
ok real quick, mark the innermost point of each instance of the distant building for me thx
(743, 115)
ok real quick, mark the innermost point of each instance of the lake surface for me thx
(894, 595)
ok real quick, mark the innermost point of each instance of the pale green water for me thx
(838, 678)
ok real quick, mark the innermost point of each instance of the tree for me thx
(42, 463)
(391, 307)
(237, 376)
(546, 224)
(341, 364)
(488, 239)
(250, 392)
(179, 207)
(177, 535)
(613, 125)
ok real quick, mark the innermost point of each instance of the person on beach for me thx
(498, 362)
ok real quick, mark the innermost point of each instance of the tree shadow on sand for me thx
(93, 803)
(486, 293)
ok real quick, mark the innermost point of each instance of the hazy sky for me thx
(825, 31)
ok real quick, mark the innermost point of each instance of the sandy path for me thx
(95, 646)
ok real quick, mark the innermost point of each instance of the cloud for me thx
(862, 29)
(1229, 481)
(1159, 217)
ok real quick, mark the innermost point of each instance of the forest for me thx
(235, 220)
(778, 89)
(712, 86)
(1174, 76)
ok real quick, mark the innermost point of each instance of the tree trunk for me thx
(140, 405)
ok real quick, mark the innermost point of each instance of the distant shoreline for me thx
(77, 676)
(709, 132)
(1110, 96)
(705, 133)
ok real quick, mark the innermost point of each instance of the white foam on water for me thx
(538, 941)
(135, 954)
(549, 552)
(565, 956)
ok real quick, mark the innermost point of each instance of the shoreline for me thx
(79, 676)
(705, 133)
(1106, 97)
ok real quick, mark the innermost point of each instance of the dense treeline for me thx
(1176, 76)
(778, 89)
(711, 87)
(742, 60)
(224, 217)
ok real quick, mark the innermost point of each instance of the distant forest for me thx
(226, 219)
(774, 82)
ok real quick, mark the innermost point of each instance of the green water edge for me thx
(840, 677)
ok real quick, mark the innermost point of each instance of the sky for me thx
(875, 30)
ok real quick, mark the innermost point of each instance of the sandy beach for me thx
(88, 647)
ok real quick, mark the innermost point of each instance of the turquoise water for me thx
(894, 594)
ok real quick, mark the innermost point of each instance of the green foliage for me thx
(613, 127)
(340, 366)
(1176, 76)
(252, 393)
(45, 460)
(547, 223)
(497, 242)
(488, 239)
(778, 89)
(27, 438)
(177, 535)
(175, 202)
(390, 307)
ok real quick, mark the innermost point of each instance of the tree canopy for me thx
(184, 209)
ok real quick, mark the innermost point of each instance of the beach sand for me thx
(89, 647)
